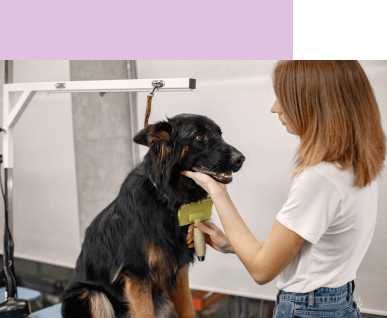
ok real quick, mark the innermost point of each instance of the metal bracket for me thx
(156, 84)
(60, 85)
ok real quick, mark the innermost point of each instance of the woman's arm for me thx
(263, 260)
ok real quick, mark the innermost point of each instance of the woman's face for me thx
(276, 108)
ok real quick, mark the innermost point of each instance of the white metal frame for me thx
(12, 115)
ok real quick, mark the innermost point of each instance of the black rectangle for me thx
(192, 83)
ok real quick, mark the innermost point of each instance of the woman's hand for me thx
(203, 180)
(213, 236)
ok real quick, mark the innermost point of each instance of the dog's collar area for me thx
(208, 196)
(155, 185)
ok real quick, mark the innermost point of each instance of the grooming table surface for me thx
(22, 293)
(50, 312)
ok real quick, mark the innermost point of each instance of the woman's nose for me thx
(275, 108)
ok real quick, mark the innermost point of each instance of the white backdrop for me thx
(238, 96)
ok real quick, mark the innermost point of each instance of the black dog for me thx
(134, 259)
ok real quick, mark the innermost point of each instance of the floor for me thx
(227, 308)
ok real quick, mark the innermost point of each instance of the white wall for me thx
(46, 226)
(238, 95)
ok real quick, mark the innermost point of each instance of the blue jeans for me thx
(322, 302)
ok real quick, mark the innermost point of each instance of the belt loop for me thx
(277, 298)
(311, 299)
(351, 288)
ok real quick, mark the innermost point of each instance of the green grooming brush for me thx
(193, 213)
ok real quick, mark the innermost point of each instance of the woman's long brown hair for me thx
(332, 107)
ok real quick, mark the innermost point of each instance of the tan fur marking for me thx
(162, 136)
(139, 298)
(100, 306)
(165, 151)
(155, 256)
(84, 295)
(160, 140)
(185, 150)
(162, 271)
(174, 121)
(182, 298)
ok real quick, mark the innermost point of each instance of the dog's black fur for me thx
(145, 212)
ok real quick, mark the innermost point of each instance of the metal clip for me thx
(60, 85)
(156, 85)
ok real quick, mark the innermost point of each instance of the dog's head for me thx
(190, 142)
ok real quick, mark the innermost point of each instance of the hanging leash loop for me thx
(156, 85)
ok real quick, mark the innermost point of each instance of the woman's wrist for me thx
(217, 192)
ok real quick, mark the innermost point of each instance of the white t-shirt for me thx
(337, 221)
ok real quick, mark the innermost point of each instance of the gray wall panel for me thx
(102, 133)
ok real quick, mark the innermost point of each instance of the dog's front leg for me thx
(182, 298)
(138, 294)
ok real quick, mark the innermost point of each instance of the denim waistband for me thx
(323, 294)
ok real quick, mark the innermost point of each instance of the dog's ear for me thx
(158, 133)
(142, 136)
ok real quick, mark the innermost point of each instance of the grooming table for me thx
(50, 312)
(22, 293)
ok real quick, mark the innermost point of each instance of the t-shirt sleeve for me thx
(311, 206)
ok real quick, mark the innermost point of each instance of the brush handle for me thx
(200, 244)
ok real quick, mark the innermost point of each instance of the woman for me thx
(322, 232)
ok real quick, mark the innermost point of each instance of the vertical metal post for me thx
(132, 72)
(8, 72)
(8, 79)
(8, 172)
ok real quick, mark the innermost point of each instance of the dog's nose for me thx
(238, 159)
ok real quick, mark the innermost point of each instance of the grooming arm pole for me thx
(11, 116)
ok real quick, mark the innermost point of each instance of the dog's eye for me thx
(200, 136)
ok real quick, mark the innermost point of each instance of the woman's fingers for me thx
(204, 228)
(201, 179)
(189, 237)
(188, 174)
(213, 235)
(211, 225)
